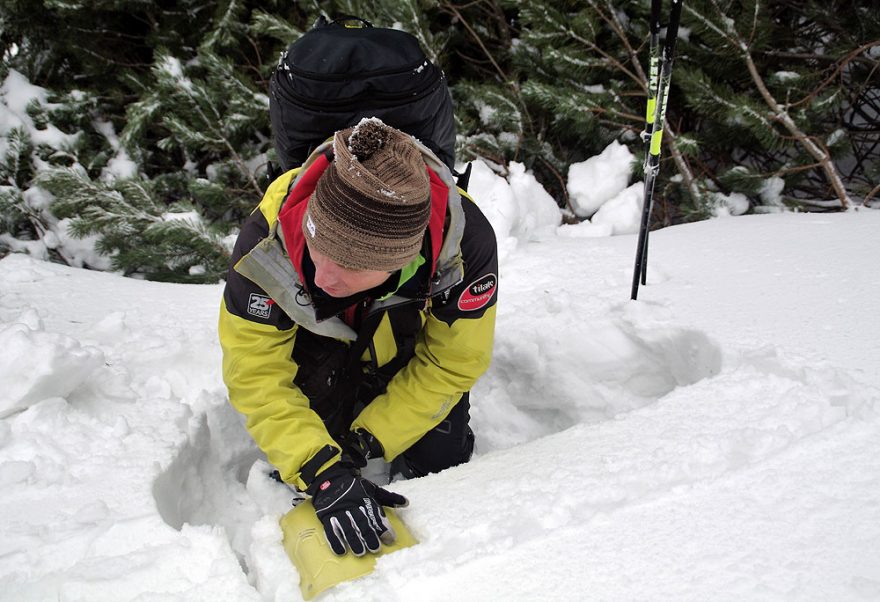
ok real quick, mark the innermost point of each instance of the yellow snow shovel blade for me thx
(318, 566)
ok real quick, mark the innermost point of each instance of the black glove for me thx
(350, 508)
(359, 446)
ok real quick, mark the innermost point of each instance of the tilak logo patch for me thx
(260, 306)
(478, 293)
(310, 225)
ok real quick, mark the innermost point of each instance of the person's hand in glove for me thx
(350, 508)
(359, 447)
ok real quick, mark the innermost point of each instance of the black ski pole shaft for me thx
(650, 115)
(652, 161)
(663, 93)
(651, 169)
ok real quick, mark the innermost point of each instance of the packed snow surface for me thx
(718, 439)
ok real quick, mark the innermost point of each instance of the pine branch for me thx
(505, 78)
(815, 148)
(838, 69)
(415, 16)
(613, 62)
(17, 169)
(209, 117)
(478, 39)
(274, 26)
(728, 32)
(137, 232)
(615, 24)
(224, 25)
(682, 165)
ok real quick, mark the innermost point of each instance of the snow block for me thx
(37, 365)
(593, 182)
(623, 213)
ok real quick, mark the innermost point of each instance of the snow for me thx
(120, 166)
(836, 136)
(622, 213)
(784, 76)
(538, 213)
(173, 69)
(78, 252)
(717, 439)
(595, 181)
(771, 191)
(518, 207)
(190, 217)
(487, 112)
(38, 365)
(724, 205)
(16, 93)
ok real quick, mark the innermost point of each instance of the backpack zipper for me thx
(374, 99)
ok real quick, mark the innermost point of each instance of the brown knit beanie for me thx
(372, 204)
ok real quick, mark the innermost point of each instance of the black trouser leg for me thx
(450, 443)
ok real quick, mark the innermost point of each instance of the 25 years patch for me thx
(260, 306)
(478, 293)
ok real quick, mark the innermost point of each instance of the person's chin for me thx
(336, 292)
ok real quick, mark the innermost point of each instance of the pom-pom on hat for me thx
(371, 206)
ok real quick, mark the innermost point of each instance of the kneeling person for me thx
(358, 313)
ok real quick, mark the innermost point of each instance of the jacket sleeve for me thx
(453, 349)
(257, 341)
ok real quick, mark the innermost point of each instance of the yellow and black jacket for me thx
(283, 355)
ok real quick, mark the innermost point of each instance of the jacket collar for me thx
(270, 264)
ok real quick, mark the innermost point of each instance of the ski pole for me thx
(650, 115)
(652, 158)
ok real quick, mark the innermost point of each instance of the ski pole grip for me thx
(672, 30)
(649, 114)
(656, 140)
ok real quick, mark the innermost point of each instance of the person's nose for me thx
(326, 276)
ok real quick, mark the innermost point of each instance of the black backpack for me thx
(344, 70)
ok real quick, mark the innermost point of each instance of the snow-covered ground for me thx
(719, 439)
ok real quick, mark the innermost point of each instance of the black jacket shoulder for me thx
(244, 298)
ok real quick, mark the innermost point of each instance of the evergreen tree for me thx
(153, 138)
(183, 85)
(767, 85)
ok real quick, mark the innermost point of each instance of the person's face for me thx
(338, 281)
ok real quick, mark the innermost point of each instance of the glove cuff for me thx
(335, 471)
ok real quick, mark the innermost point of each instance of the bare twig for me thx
(871, 195)
(816, 149)
(831, 204)
(681, 164)
(505, 78)
(562, 185)
(617, 26)
(454, 10)
(792, 170)
(835, 73)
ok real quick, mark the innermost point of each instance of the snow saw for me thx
(318, 566)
